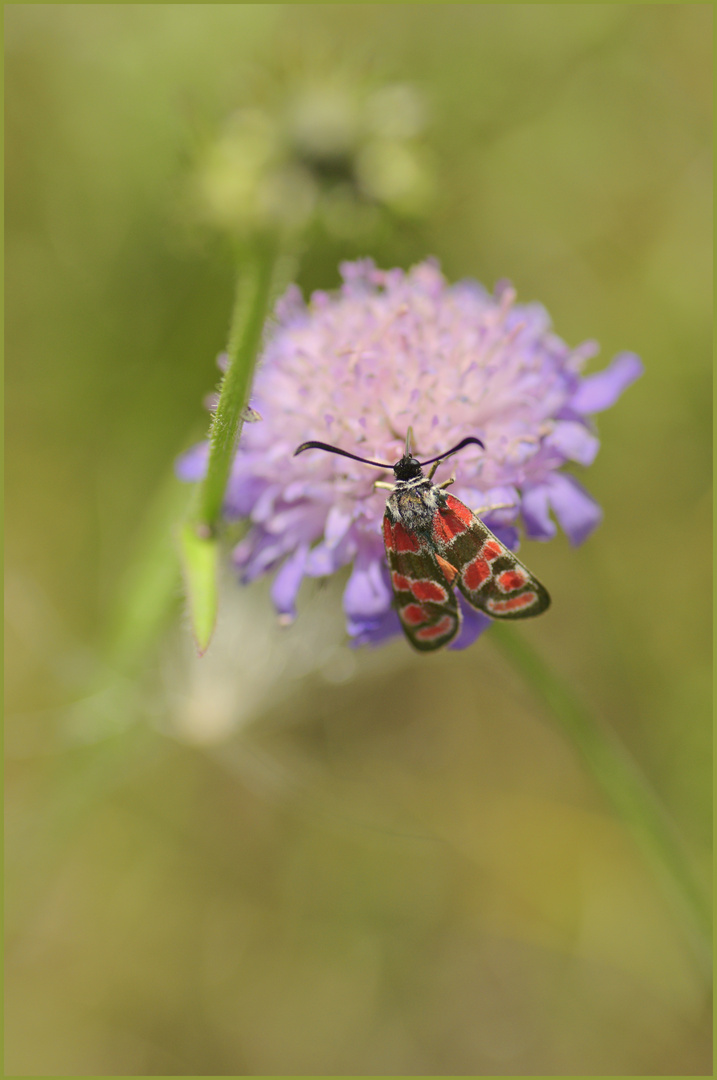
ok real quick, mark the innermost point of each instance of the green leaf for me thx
(200, 561)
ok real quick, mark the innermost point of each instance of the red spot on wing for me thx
(492, 549)
(429, 590)
(510, 580)
(429, 633)
(475, 573)
(387, 534)
(525, 599)
(400, 583)
(403, 540)
(460, 509)
(414, 614)
(447, 526)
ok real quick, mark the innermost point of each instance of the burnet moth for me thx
(434, 543)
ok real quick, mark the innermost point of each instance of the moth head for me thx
(408, 468)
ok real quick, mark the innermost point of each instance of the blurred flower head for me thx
(356, 368)
(339, 150)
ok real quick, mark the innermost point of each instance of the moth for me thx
(435, 544)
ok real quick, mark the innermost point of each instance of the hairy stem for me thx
(254, 294)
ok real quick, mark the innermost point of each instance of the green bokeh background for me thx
(316, 860)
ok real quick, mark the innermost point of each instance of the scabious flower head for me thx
(355, 369)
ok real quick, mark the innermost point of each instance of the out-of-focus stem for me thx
(624, 785)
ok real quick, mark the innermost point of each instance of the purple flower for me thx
(355, 369)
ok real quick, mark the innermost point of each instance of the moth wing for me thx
(490, 576)
(426, 604)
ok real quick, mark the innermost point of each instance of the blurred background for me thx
(291, 856)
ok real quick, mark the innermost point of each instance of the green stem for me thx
(254, 293)
(624, 785)
(198, 543)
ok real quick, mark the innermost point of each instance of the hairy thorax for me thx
(415, 502)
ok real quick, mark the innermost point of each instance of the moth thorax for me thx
(408, 468)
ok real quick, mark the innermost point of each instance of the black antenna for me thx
(381, 464)
(335, 450)
(459, 446)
